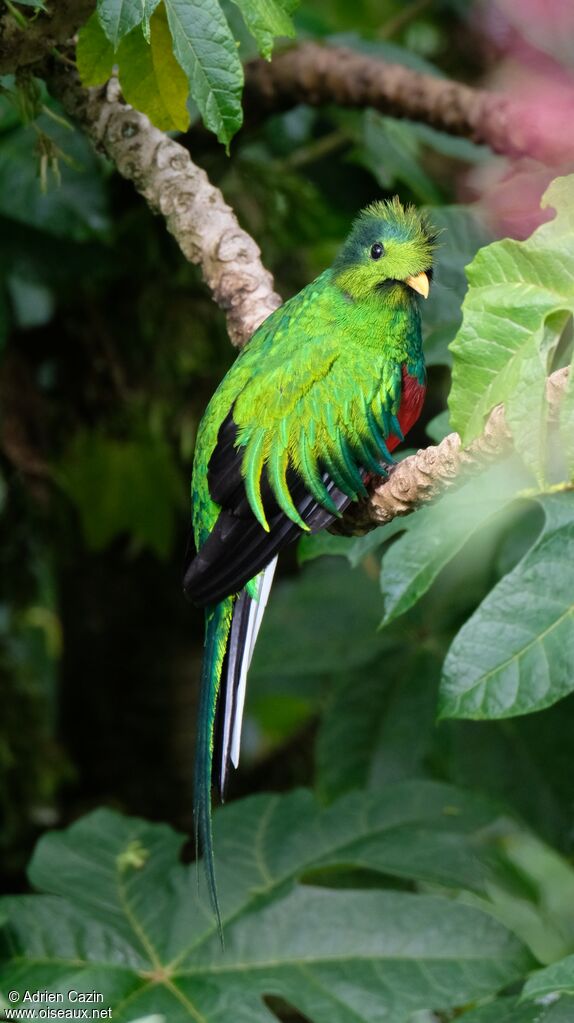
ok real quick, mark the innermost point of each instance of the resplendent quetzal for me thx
(325, 389)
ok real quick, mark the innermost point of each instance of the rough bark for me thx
(203, 225)
(317, 75)
(20, 47)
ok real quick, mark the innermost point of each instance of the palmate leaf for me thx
(520, 297)
(124, 916)
(515, 654)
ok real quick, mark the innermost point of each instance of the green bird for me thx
(311, 409)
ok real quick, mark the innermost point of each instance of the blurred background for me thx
(110, 348)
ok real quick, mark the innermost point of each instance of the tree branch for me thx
(203, 225)
(317, 75)
(427, 475)
(21, 46)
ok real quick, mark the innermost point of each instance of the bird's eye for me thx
(377, 250)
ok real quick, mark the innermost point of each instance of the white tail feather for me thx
(256, 612)
(262, 598)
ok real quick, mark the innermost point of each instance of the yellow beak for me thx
(420, 283)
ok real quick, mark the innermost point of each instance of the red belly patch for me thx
(412, 398)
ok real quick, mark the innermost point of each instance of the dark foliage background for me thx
(110, 349)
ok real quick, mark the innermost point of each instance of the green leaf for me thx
(502, 758)
(515, 654)
(206, 50)
(267, 19)
(557, 977)
(118, 17)
(321, 609)
(152, 81)
(136, 929)
(118, 487)
(436, 533)
(390, 151)
(318, 545)
(454, 146)
(543, 920)
(560, 1012)
(315, 608)
(520, 297)
(509, 1010)
(376, 723)
(94, 53)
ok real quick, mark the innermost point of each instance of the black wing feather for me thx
(238, 547)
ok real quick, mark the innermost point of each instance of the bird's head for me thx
(388, 252)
